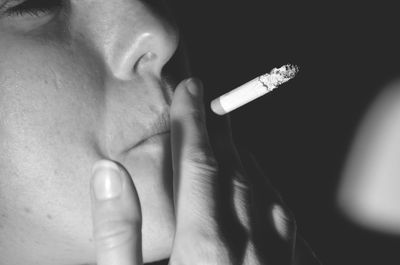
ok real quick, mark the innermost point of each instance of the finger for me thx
(268, 199)
(274, 225)
(200, 236)
(260, 208)
(193, 160)
(221, 138)
(304, 254)
(230, 166)
(116, 215)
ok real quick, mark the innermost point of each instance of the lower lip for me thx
(155, 140)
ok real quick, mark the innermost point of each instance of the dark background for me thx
(301, 133)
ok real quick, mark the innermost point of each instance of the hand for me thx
(226, 211)
(117, 217)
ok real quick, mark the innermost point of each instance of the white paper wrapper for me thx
(253, 89)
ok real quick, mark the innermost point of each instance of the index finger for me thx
(194, 164)
(204, 204)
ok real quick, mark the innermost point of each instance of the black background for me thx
(301, 133)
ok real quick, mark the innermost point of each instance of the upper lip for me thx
(158, 126)
(156, 123)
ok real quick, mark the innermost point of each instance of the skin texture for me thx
(78, 84)
(87, 82)
(226, 210)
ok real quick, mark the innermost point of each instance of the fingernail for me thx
(195, 87)
(107, 182)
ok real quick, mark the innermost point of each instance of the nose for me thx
(132, 36)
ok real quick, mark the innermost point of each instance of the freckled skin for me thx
(68, 98)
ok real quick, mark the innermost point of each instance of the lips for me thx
(153, 139)
(137, 116)
(158, 129)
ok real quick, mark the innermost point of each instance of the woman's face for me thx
(81, 80)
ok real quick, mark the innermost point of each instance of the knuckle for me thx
(214, 254)
(206, 251)
(284, 221)
(114, 233)
(290, 218)
(212, 249)
(203, 160)
(251, 256)
(243, 208)
(241, 182)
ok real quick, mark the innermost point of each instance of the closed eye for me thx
(30, 7)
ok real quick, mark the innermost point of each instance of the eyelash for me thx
(34, 7)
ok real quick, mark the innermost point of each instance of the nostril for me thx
(144, 61)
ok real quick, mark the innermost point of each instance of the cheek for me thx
(45, 107)
(47, 96)
(48, 124)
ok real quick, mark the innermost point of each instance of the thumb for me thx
(116, 213)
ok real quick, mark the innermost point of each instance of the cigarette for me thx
(253, 89)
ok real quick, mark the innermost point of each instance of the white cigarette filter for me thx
(253, 89)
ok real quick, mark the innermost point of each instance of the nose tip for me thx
(145, 45)
(153, 51)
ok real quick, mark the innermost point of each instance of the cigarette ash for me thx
(278, 76)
